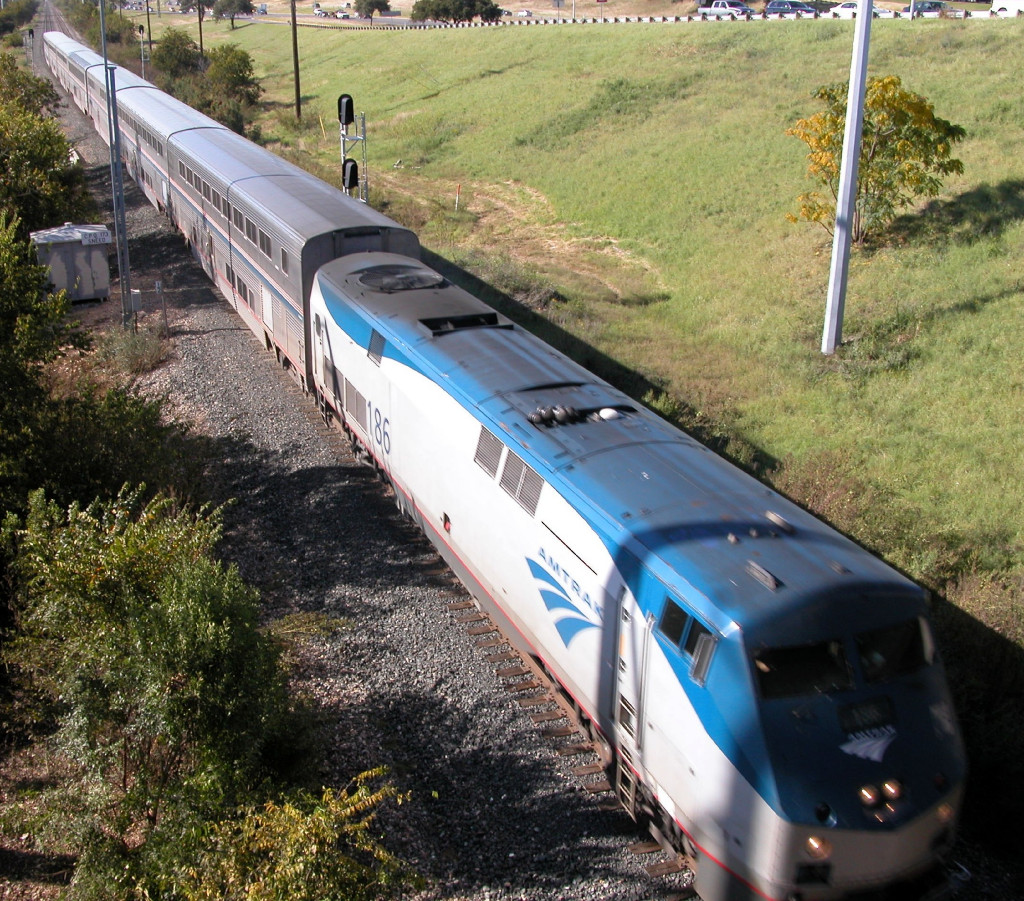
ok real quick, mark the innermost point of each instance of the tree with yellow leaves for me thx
(905, 152)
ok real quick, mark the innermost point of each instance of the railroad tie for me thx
(523, 686)
(535, 700)
(665, 867)
(461, 605)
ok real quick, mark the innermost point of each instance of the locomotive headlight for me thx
(869, 795)
(892, 789)
(945, 813)
(818, 848)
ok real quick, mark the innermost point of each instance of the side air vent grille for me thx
(522, 483)
(376, 350)
(488, 453)
(355, 404)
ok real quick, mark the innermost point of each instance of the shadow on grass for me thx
(982, 212)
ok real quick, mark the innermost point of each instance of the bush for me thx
(161, 690)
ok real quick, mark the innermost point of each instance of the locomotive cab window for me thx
(810, 669)
(690, 636)
(894, 651)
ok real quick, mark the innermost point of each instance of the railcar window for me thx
(215, 197)
(894, 651)
(265, 243)
(810, 669)
(693, 637)
(284, 261)
(181, 168)
(250, 229)
(206, 190)
(239, 220)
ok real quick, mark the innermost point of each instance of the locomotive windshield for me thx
(803, 670)
(824, 668)
(895, 650)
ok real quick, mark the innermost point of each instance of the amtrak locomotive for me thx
(769, 694)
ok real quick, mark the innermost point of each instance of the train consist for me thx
(769, 695)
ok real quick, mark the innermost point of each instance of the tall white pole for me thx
(846, 201)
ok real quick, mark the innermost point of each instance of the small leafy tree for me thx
(39, 184)
(36, 95)
(147, 655)
(232, 8)
(177, 55)
(303, 849)
(366, 8)
(905, 152)
(231, 75)
(454, 11)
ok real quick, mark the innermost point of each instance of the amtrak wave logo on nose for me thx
(871, 744)
(569, 619)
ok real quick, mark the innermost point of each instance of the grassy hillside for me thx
(632, 182)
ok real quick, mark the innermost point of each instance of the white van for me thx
(1007, 8)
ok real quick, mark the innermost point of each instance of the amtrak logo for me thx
(871, 744)
(570, 606)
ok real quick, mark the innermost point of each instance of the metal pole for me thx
(116, 183)
(295, 64)
(847, 199)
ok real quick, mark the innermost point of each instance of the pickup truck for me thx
(725, 9)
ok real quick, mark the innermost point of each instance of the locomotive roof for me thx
(284, 194)
(758, 552)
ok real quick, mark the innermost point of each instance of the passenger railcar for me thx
(259, 225)
(769, 695)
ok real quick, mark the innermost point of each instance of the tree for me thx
(366, 8)
(177, 55)
(232, 8)
(905, 151)
(33, 329)
(454, 11)
(230, 74)
(302, 849)
(39, 183)
(36, 95)
(148, 654)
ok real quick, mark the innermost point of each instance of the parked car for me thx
(342, 15)
(935, 9)
(728, 9)
(848, 10)
(789, 8)
(320, 13)
(525, 13)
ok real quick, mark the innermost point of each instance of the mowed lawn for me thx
(643, 172)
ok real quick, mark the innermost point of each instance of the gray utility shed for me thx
(78, 259)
